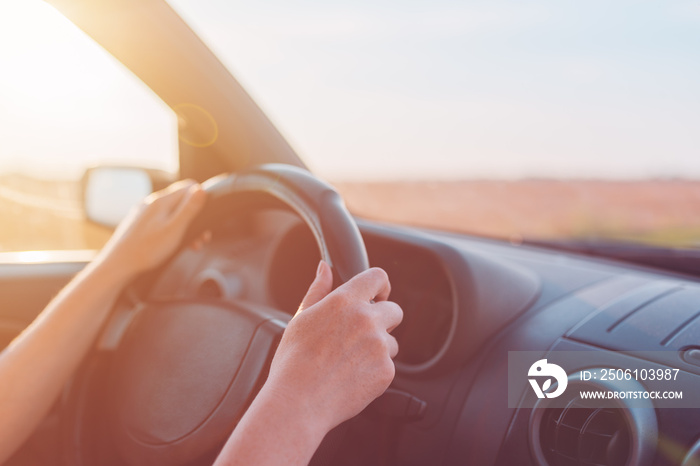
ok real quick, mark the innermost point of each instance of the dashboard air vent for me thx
(580, 435)
(570, 431)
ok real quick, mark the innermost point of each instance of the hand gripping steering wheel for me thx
(186, 370)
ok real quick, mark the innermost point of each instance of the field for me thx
(665, 211)
(37, 214)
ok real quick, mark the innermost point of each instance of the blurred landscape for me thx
(40, 214)
(44, 214)
(656, 211)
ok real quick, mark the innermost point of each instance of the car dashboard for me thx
(467, 303)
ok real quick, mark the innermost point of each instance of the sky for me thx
(386, 89)
(66, 104)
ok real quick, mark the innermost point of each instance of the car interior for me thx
(189, 344)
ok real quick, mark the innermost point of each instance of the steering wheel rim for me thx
(315, 201)
(133, 386)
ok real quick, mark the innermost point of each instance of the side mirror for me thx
(110, 192)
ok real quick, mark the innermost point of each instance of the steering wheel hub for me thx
(184, 374)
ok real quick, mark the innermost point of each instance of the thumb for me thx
(321, 286)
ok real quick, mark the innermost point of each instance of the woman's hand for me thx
(336, 355)
(153, 229)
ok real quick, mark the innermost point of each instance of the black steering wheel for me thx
(185, 370)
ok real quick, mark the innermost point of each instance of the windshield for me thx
(537, 119)
(528, 120)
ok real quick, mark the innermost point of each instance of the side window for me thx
(66, 105)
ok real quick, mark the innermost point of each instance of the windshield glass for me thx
(66, 105)
(527, 120)
(537, 119)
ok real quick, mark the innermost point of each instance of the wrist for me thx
(274, 430)
(118, 272)
(303, 414)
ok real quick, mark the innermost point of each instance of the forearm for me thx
(36, 365)
(272, 432)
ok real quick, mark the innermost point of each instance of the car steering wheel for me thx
(186, 370)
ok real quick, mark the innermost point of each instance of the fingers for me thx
(171, 195)
(372, 284)
(390, 313)
(393, 346)
(321, 286)
(190, 204)
(178, 203)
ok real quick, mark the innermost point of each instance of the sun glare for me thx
(16, 14)
(48, 63)
(65, 103)
(31, 34)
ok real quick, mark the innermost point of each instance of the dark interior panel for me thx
(496, 296)
(421, 286)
